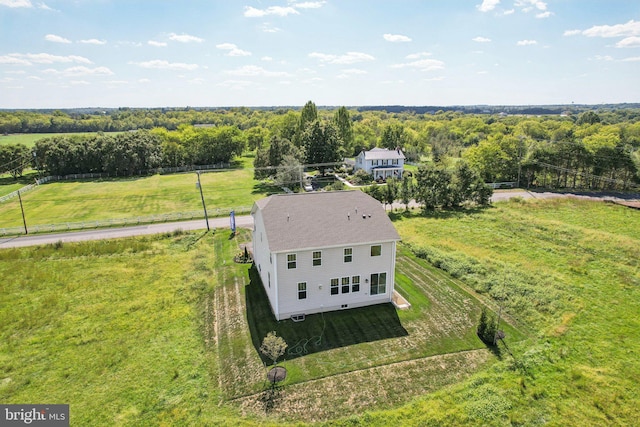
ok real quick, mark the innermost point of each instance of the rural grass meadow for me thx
(163, 330)
(124, 198)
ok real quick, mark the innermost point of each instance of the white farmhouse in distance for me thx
(323, 251)
(382, 163)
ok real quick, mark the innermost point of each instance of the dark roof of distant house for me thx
(383, 153)
(324, 219)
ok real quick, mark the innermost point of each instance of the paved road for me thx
(113, 233)
(245, 221)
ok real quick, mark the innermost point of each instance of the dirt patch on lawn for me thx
(354, 392)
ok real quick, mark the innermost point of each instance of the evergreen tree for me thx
(343, 125)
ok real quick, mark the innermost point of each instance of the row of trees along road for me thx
(130, 153)
(598, 150)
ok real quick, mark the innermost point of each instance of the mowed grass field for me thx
(94, 200)
(29, 139)
(163, 330)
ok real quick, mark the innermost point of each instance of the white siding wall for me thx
(262, 259)
(318, 279)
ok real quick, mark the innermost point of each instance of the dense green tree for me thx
(344, 126)
(406, 190)
(14, 159)
(289, 172)
(322, 144)
(393, 136)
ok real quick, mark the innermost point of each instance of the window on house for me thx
(317, 258)
(378, 283)
(270, 259)
(376, 250)
(348, 254)
(394, 162)
(345, 285)
(291, 261)
(334, 286)
(355, 284)
(302, 290)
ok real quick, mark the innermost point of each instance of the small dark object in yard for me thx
(277, 374)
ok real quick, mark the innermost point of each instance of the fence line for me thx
(94, 175)
(122, 222)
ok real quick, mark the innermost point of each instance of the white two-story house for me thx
(323, 251)
(382, 163)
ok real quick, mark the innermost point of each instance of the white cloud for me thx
(526, 42)
(509, 12)
(481, 39)
(629, 42)
(631, 59)
(13, 60)
(602, 58)
(488, 5)
(254, 70)
(631, 28)
(41, 58)
(418, 55)
(16, 3)
(396, 38)
(81, 71)
(422, 65)
(348, 58)
(266, 58)
(268, 28)
(79, 82)
(185, 38)
(196, 81)
(571, 32)
(351, 72)
(56, 39)
(93, 41)
(534, 5)
(233, 49)
(144, 81)
(166, 65)
(252, 12)
(156, 43)
(309, 5)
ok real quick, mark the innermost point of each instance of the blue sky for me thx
(176, 53)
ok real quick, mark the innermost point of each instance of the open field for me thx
(29, 139)
(83, 200)
(154, 330)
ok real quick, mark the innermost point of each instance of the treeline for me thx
(131, 153)
(435, 186)
(593, 149)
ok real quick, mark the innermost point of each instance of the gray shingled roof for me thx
(383, 153)
(324, 219)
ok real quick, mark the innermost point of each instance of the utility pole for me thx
(206, 217)
(24, 220)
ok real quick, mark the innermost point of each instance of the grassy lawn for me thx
(163, 330)
(570, 270)
(84, 200)
(112, 327)
(29, 139)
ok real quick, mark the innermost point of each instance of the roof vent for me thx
(364, 216)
